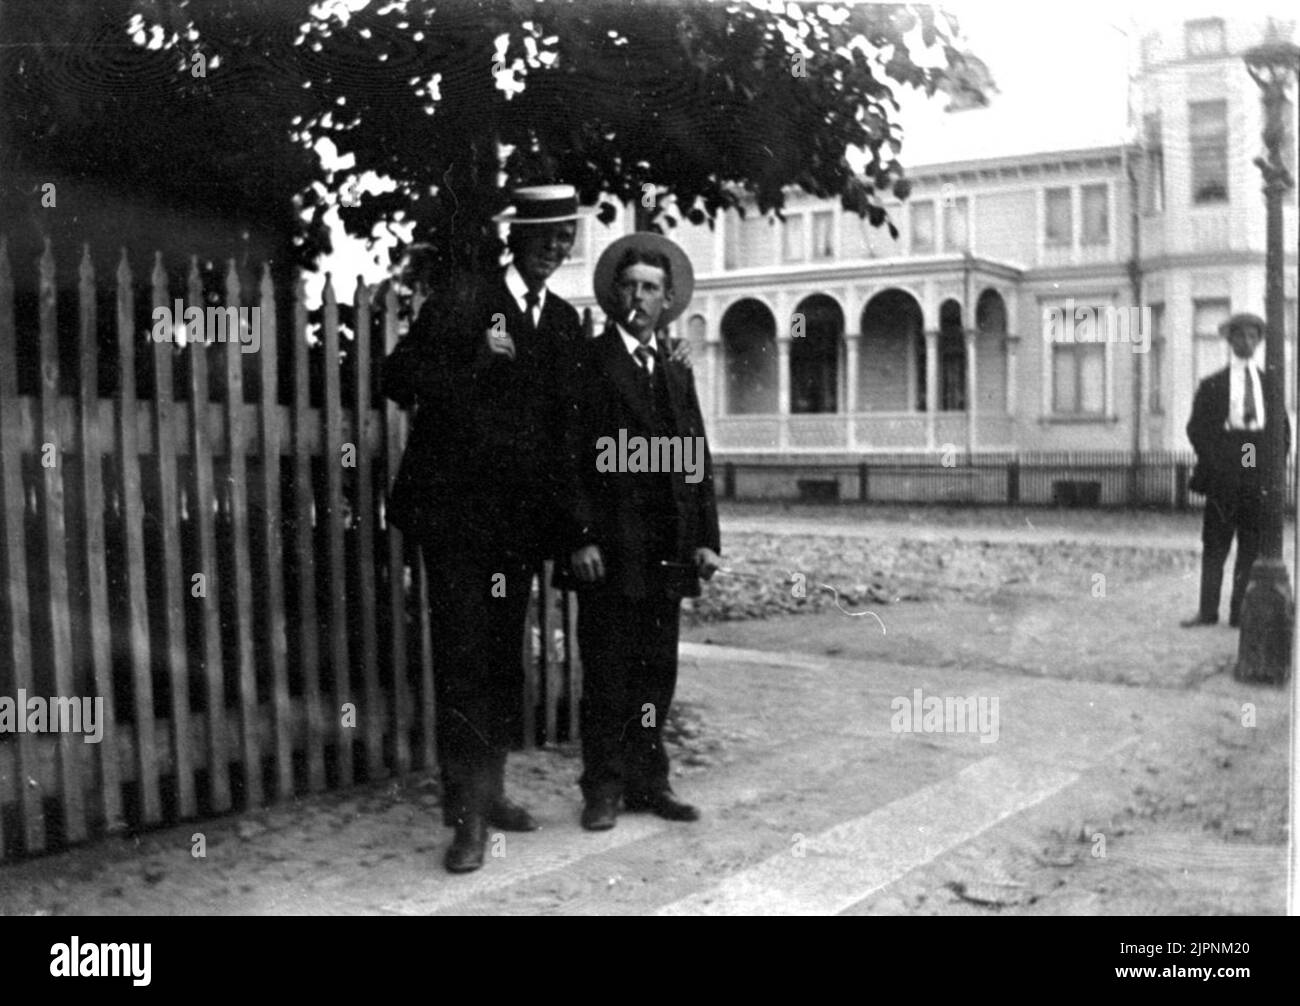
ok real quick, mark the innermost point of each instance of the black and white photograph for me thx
(649, 458)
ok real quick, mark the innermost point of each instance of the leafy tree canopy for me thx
(714, 104)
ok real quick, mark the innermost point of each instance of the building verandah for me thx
(882, 359)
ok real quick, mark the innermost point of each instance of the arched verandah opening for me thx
(749, 345)
(892, 325)
(816, 345)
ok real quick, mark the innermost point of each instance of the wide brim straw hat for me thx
(683, 273)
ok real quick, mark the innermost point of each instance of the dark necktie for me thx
(644, 354)
(531, 300)
(1248, 413)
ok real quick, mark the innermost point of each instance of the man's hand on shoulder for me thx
(680, 352)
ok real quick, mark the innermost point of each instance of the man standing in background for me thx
(1227, 430)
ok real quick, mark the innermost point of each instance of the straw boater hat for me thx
(683, 273)
(1243, 320)
(541, 204)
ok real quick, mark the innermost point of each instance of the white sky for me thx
(1061, 69)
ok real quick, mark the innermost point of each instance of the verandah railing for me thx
(209, 558)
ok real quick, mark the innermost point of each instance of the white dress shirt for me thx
(518, 289)
(1239, 372)
(633, 344)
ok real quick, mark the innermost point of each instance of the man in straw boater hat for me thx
(642, 526)
(478, 488)
(1227, 430)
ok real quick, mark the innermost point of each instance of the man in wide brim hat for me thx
(641, 536)
(680, 272)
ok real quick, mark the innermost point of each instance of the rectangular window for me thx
(1078, 379)
(1153, 195)
(956, 225)
(923, 228)
(749, 243)
(1156, 360)
(1205, 37)
(1207, 127)
(1211, 349)
(823, 235)
(1096, 214)
(1059, 225)
(792, 240)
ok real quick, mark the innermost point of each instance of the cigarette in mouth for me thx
(631, 316)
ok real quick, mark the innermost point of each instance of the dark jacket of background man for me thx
(1231, 487)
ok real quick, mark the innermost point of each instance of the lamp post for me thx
(1264, 653)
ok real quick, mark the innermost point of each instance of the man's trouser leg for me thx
(1217, 529)
(650, 696)
(603, 641)
(478, 670)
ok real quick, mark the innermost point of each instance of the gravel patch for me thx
(777, 574)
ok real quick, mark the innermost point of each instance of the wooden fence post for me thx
(98, 627)
(237, 481)
(52, 452)
(271, 428)
(397, 576)
(365, 531)
(332, 454)
(173, 606)
(15, 542)
(128, 469)
(209, 599)
(304, 495)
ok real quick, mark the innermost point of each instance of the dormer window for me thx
(792, 245)
(823, 234)
(923, 228)
(956, 224)
(1058, 223)
(1096, 214)
(1205, 37)
(1207, 127)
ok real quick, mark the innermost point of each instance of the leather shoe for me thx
(600, 814)
(466, 852)
(1195, 620)
(665, 804)
(509, 816)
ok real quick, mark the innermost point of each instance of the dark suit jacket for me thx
(1219, 471)
(485, 457)
(613, 509)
